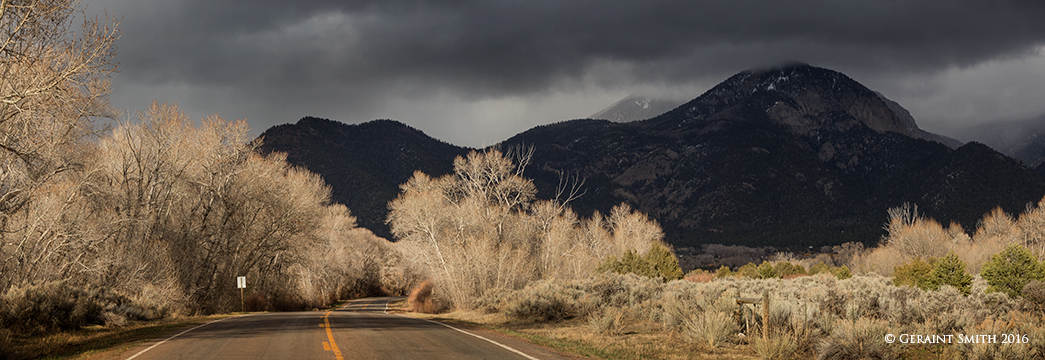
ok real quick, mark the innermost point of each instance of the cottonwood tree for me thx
(163, 206)
(482, 228)
(53, 82)
(470, 227)
(158, 207)
(203, 196)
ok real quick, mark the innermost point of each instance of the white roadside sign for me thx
(241, 282)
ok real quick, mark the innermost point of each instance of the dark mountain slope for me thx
(1024, 139)
(781, 156)
(971, 181)
(795, 155)
(364, 164)
(636, 107)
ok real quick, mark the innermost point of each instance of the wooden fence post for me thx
(765, 315)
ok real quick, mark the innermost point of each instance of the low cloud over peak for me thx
(274, 62)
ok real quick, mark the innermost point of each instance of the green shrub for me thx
(629, 262)
(786, 268)
(1010, 270)
(750, 270)
(914, 273)
(950, 270)
(723, 271)
(841, 272)
(819, 268)
(664, 264)
(659, 262)
(766, 270)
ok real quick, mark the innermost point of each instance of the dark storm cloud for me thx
(358, 54)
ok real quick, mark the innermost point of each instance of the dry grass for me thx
(93, 339)
(638, 340)
(628, 316)
(700, 277)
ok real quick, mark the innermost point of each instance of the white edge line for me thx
(177, 335)
(506, 347)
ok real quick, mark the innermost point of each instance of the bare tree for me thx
(157, 205)
(51, 84)
(481, 228)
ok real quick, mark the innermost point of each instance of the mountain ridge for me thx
(364, 163)
(795, 155)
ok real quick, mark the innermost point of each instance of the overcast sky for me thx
(474, 73)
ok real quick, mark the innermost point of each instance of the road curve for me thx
(359, 330)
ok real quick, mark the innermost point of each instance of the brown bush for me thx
(700, 277)
(1034, 294)
(422, 299)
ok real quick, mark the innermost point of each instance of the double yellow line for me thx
(331, 345)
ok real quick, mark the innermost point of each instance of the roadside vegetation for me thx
(921, 279)
(153, 219)
(481, 229)
(150, 216)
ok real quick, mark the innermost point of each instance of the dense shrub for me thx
(841, 272)
(819, 268)
(781, 345)
(710, 328)
(423, 300)
(766, 270)
(1034, 294)
(659, 262)
(914, 273)
(1010, 270)
(548, 301)
(609, 322)
(950, 270)
(723, 271)
(812, 316)
(60, 306)
(750, 270)
(785, 268)
(859, 339)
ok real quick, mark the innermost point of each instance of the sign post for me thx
(241, 283)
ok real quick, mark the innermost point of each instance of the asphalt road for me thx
(359, 330)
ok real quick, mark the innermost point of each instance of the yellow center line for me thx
(330, 336)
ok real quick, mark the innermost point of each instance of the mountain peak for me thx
(804, 98)
(636, 107)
